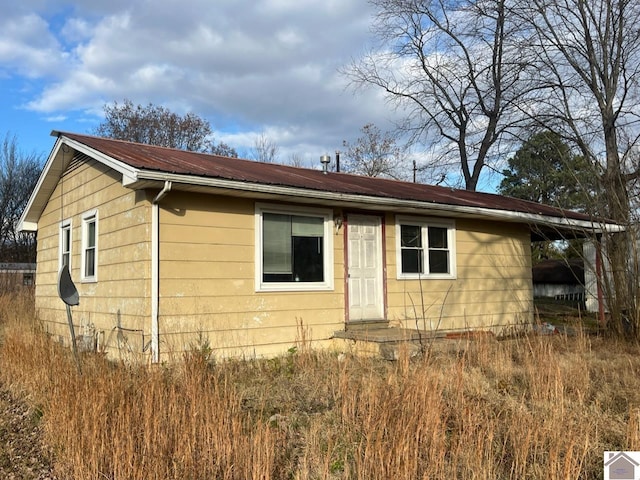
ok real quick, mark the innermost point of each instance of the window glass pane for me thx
(65, 259)
(292, 248)
(90, 263)
(91, 233)
(437, 237)
(276, 244)
(307, 226)
(411, 261)
(308, 262)
(438, 261)
(410, 236)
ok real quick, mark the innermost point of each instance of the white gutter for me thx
(381, 202)
(155, 271)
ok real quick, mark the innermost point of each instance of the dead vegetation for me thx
(533, 407)
(22, 454)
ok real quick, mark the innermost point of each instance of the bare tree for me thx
(456, 68)
(223, 150)
(475, 72)
(295, 160)
(157, 125)
(375, 154)
(588, 57)
(19, 173)
(265, 149)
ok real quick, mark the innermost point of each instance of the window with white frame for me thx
(65, 244)
(425, 248)
(90, 246)
(294, 249)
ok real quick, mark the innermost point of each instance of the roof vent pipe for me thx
(325, 160)
(337, 161)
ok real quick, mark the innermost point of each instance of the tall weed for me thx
(532, 407)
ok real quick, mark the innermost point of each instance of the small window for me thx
(425, 248)
(65, 244)
(293, 249)
(27, 279)
(90, 247)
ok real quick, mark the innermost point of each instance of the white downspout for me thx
(155, 271)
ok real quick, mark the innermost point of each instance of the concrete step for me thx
(373, 324)
(392, 343)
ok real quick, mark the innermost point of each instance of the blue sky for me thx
(262, 68)
(250, 68)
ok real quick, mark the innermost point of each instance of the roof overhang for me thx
(542, 226)
(138, 179)
(58, 161)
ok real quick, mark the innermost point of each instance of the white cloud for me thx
(290, 37)
(264, 66)
(76, 30)
(56, 119)
(27, 46)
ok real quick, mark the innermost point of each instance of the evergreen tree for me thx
(544, 170)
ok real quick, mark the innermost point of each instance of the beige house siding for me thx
(207, 284)
(116, 308)
(492, 288)
(207, 287)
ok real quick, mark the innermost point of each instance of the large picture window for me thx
(90, 247)
(293, 249)
(425, 248)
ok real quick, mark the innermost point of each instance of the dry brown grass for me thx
(534, 407)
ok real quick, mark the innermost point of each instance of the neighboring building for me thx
(560, 279)
(598, 272)
(594, 296)
(168, 248)
(15, 276)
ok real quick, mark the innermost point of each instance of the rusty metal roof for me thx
(161, 159)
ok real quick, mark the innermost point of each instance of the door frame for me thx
(383, 247)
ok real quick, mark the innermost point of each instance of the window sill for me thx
(293, 287)
(433, 276)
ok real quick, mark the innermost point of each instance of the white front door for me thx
(364, 267)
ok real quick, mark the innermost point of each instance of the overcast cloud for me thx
(247, 67)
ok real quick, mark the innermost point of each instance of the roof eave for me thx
(385, 203)
(28, 221)
(52, 171)
(135, 178)
(129, 173)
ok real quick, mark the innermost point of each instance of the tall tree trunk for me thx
(621, 305)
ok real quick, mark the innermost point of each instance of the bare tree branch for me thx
(157, 125)
(265, 149)
(375, 154)
(18, 176)
(455, 68)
